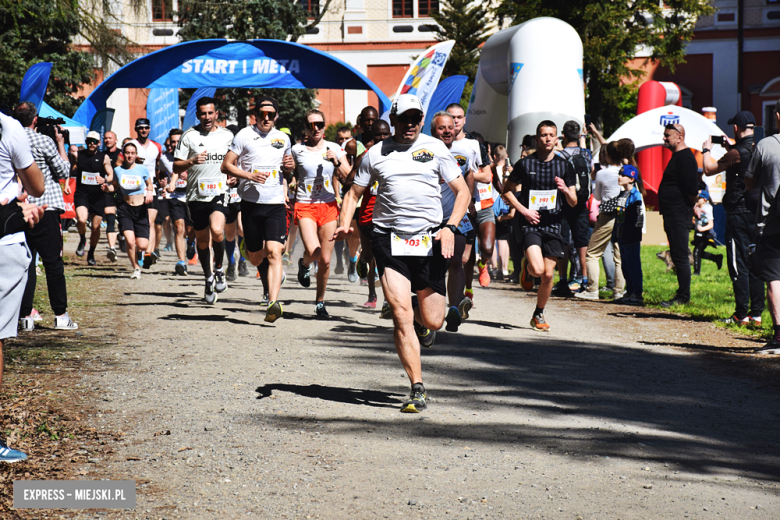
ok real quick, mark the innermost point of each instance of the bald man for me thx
(676, 197)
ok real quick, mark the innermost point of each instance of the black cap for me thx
(266, 101)
(142, 121)
(743, 119)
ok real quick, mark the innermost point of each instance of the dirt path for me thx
(611, 415)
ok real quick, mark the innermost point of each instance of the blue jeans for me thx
(632, 267)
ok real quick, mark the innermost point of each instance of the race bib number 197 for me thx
(408, 244)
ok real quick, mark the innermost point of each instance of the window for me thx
(403, 8)
(426, 7)
(162, 10)
(769, 118)
(311, 7)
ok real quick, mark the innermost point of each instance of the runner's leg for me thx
(397, 290)
(325, 233)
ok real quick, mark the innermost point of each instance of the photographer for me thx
(46, 237)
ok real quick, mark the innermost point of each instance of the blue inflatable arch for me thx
(228, 64)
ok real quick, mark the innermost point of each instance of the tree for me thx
(611, 34)
(246, 20)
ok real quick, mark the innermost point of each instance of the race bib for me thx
(316, 187)
(465, 225)
(131, 182)
(181, 184)
(272, 172)
(375, 188)
(89, 178)
(411, 244)
(234, 196)
(209, 188)
(485, 195)
(543, 200)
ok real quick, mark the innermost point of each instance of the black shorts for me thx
(133, 218)
(177, 210)
(367, 230)
(503, 230)
(263, 222)
(232, 212)
(155, 204)
(109, 202)
(579, 224)
(200, 212)
(551, 243)
(162, 211)
(422, 271)
(766, 258)
(94, 202)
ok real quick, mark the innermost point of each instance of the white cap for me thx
(406, 102)
(93, 135)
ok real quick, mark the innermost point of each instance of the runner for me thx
(134, 183)
(177, 201)
(541, 176)
(148, 158)
(260, 158)
(109, 212)
(200, 152)
(91, 169)
(443, 128)
(233, 228)
(317, 161)
(411, 247)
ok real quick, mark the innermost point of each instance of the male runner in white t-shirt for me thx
(411, 246)
(260, 157)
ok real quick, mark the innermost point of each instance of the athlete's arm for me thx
(107, 167)
(149, 191)
(344, 169)
(569, 191)
(462, 201)
(348, 206)
(355, 167)
(484, 175)
(229, 167)
(509, 192)
(179, 165)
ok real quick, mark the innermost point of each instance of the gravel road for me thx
(615, 414)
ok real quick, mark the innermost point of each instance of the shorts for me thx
(14, 262)
(366, 213)
(232, 212)
(422, 271)
(367, 230)
(177, 210)
(321, 213)
(551, 243)
(200, 212)
(263, 222)
(162, 212)
(485, 215)
(155, 204)
(133, 218)
(290, 214)
(94, 202)
(579, 224)
(503, 230)
(109, 202)
(766, 258)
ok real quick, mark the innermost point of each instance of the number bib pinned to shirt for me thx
(131, 182)
(543, 200)
(411, 244)
(181, 184)
(271, 171)
(316, 187)
(234, 196)
(209, 188)
(485, 195)
(89, 178)
(464, 226)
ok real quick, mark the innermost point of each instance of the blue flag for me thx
(101, 124)
(189, 118)
(34, 84)
(162, 109)
(448, 91)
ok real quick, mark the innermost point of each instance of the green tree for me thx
(246, 20)
(611, 34)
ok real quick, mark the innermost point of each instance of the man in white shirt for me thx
(411, 246)
(260, 157)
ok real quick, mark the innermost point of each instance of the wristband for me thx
(452, 228)
(705, 150)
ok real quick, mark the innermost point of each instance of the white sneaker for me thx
(136, 274)
(65, 323)
(587, 295)
(36, 316)
(618, 294)
(27, 324)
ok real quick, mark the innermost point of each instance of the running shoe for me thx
(562, 290)
(220, 285)
(733, 320)
(286, 259)
(321, 311)
(284, 277)
(362, 269)
(111, 255)
(339, 268)
(771, 348)
(303, 274)
(526, 280)
(464, 307)
(386, 313)
(425, 335)
(352, 275)
(36, 316)
(9, 454)
(453, 320)
(363, 282)
(136, 274)
(156, 254)
(209, 295)
(538, 323)
(181, 268)
(674, 301)
(65, 323)
(755, 323)
(148, 261)
(26, 324)
(80, 248)
(168, 247)
(91, 261)
(264, 301)
(242, 269)
(633, 300)
(470, 295)
(273, 312)
(193, 260)
(574, 285)
(371, 303)
(230, 276)
(416, 401)
(192, 252)
(484, 274)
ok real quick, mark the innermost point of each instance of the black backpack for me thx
(581, 169)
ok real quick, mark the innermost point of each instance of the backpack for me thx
(581, 169)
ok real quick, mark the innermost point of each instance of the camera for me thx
(717, 139)
(50, 126)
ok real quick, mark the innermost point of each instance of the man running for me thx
(177, 201)
(148, 153)
(542, 177)
(109, 212)
(200, 152)
(260, 157)
(411, 247)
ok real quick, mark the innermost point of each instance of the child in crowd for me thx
(705, 234)
(629, 226)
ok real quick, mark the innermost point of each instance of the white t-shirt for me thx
(408, 196)
(706, 215)
(315, 173)
(468, 159)
(205, 181)
(166, 166)
(261, 152)
(15, 153)
(606, 186)
(483, 191)
(150, 153)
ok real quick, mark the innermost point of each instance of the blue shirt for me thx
(630, 218)
(132, 181)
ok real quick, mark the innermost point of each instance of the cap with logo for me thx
(406, 102)
(142, 121)
(630, 171)
(93, 135)
(743, 119)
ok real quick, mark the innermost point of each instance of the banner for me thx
(101, 124)
(189, 118)
(34, 84)
(423, 76)
(162, 110)
(449, 91)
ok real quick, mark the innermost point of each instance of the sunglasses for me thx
(671, 127)
(410, 118)
(91, 141)
(142, 128)
(316, 125)
(267, 115)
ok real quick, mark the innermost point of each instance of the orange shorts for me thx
(320, 213)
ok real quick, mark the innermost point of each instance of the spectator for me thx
(740, 205)
(704, 235)
(46, 237)
(676, 197)
(764, 173)
(629, 227)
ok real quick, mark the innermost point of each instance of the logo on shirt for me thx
(277, 143)
(422, 156)
(670, 119)
(461, 160)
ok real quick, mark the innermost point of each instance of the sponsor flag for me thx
(162, 110)
(423, 76)
(34, 84)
